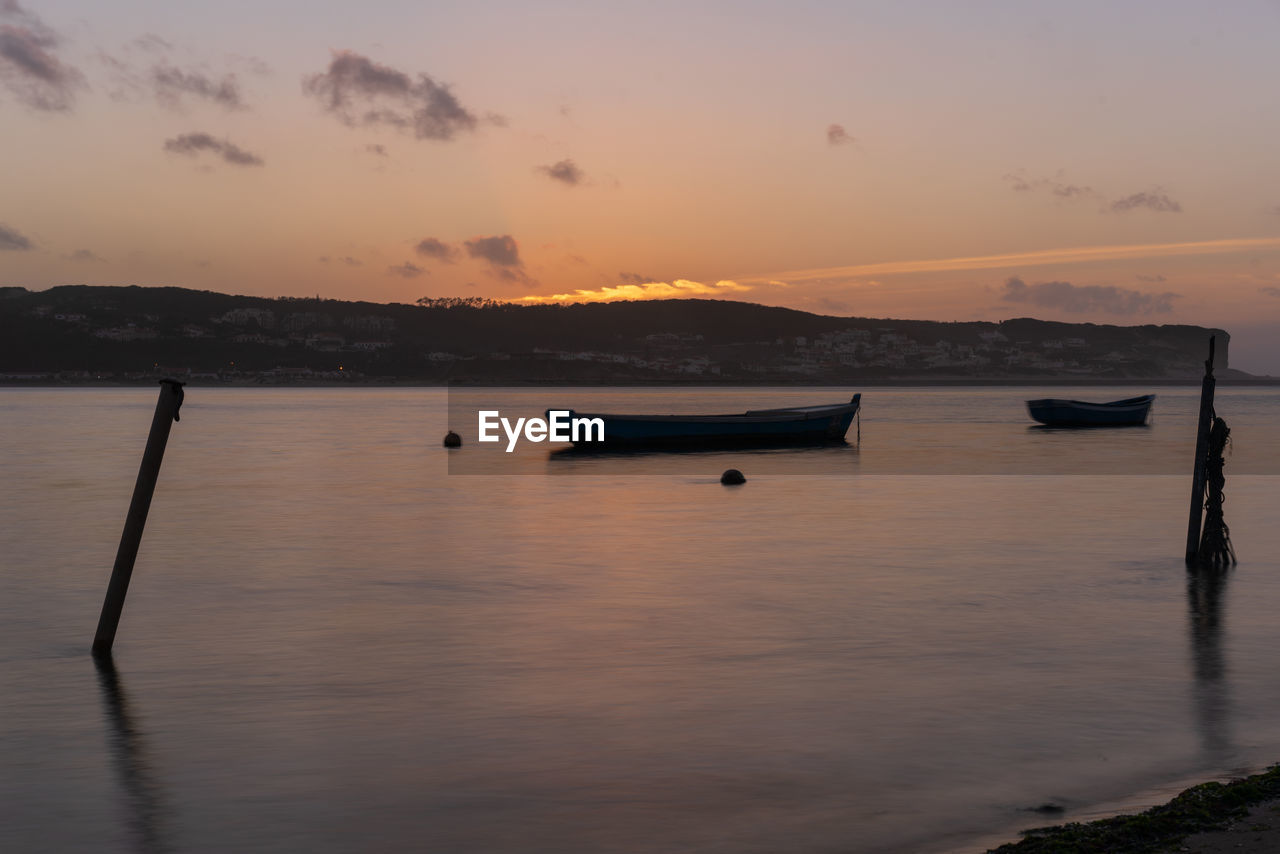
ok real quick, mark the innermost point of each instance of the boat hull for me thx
(1132, 412)
(793, 426)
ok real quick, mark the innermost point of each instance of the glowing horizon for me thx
(679, 289)
(684, 288)
(389, 152)
(1072, 255)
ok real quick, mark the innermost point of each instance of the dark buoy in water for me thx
(452, 440)
(732, 477)
(1047, 809)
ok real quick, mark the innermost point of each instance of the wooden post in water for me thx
(1203, 423)
(166, 413)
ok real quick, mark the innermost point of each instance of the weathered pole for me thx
(1203, 423)
(166, 413)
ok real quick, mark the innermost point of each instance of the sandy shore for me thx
(1241, 815)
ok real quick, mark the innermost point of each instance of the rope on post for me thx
(1216, 551)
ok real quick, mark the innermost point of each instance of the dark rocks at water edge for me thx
(79, 334)
(1207, 807)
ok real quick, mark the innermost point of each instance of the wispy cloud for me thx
(345, 259)
(376, 149)
(1154, 200)
(566, 172)
(172, 83)
(84, 255)
(12, 239)
(192, 144)
(253, 64)
(680, 288)
(1022, 184)
(1088, 299)
(151, 43)
(837, 135)
(407, 270)
(437, 250)
(358, 91)
(1074, 255)
(636, 279)
(29, 65)
(1270, 291)
(144, 68)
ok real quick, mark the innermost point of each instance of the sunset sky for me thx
(1085, 161)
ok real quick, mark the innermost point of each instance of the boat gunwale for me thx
(1110, 406)
(741, 418)
(751, 416)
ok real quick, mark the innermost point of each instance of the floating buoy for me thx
(452, 440)
(732, 477)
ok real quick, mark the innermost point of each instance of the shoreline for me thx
(1242, 813)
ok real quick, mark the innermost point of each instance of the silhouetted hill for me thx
(79, 333)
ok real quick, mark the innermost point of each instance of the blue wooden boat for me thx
(790, 426)
(1130, 412)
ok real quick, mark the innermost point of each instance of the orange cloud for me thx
(1028, 259)
(680, 288)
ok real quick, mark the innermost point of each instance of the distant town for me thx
(82, 334)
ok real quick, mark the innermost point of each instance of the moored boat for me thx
(1130, 412)
(787, 426)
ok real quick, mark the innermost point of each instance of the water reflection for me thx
(1087, 428)
(837, 455)
(128, 754)
(646, 450)
(1205, 592)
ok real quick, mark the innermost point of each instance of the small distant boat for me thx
(1130, 412)
(789, 426)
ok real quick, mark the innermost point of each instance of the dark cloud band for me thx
(192, 144)
(359, 91)
(1084, 299)
(430, 247)
(29, 66)
(501, 250)
(1153, 200)
(566, 172)
(12, 239)
(171, 84)
(407, 270)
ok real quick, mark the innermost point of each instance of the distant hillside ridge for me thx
(101, 333)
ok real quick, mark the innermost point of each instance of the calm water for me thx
(332, 644)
